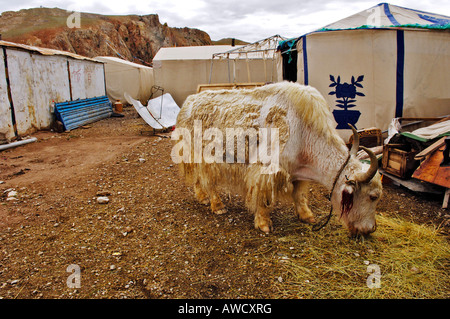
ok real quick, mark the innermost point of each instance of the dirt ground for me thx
(152, 239)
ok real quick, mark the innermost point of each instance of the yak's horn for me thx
(367, 176)
(355, 146)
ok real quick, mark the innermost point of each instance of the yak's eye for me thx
(373, 197)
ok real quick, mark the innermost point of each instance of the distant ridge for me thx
(228, 41)
(132, 37)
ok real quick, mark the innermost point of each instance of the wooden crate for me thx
(369, 137)
(399, 162)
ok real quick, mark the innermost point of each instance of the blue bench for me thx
(73, 114)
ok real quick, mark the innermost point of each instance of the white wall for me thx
(6, 126)
(35, 81)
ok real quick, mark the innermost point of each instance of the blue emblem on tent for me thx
(346, 94)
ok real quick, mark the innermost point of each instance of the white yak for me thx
(304, 147)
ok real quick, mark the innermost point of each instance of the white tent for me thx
(378, 64)
(179, 70)
(31, 78)
(124, 76)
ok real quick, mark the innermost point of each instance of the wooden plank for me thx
(420, 118)
(411, 184)
(430, 149)
(431, 171)
(446, 198)
(228, 86)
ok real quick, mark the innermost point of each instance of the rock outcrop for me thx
(135, 38)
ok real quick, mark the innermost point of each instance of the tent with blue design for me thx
(381, 63)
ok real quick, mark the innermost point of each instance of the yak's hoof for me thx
(265, 229)
(263, 225)
(308, 220)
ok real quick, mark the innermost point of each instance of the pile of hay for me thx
(400, 260)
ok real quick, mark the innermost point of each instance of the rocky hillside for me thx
(136, 38)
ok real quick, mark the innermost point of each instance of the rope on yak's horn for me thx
(353, 152)
(319, 226)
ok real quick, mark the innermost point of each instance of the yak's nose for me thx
(363, 230)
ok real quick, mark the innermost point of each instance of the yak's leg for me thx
(262, 219)
(200, 194)
(208, 196)
(301, 202)
(216, 204)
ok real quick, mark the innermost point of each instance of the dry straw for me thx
(413, 261)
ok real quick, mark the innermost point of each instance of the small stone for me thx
(112, 267)
(102, 200)
(142, 160)
(280, 279)
(414, 269)
(128, 229)
(12, 194)
(366, 262)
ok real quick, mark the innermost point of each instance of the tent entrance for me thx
(290, 65)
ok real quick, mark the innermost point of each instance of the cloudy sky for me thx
(249, 20)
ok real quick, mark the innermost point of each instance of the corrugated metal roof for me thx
(203, 52)
(45, 51)
(110, 59)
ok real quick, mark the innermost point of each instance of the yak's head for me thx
(357, 192)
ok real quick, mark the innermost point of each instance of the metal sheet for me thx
(87, 79)
(50, 83)
(143, 112)
(6, 126)
(44, 51)
(20, 71)
(164, 109)
(74, 114)
(35, 82)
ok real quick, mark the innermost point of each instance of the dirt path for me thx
(152, 240)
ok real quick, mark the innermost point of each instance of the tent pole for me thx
(210, 71)
(234, 71)
(228, 65)
(248, 68)
(265, 66)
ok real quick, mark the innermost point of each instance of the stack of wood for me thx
(435, 166)
(407, 156)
